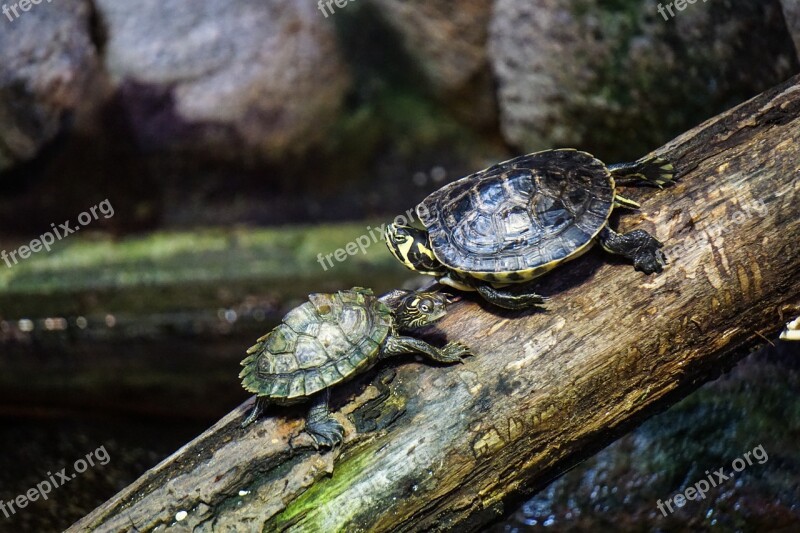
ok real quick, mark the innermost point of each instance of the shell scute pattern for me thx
(334, 340)
(344, 367)
(318, 344)
(280, 387)
(520, 216)
(301, 320)
(282, 363)
(354, 323)
(313, 381)
(298, 385)
(310, 353)
(281, 340)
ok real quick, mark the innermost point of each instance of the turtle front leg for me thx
(508, 299)
(324, 429)
(638, 245)
(453, 352)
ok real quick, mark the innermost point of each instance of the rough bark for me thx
(450, 447)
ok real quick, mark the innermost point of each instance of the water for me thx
(756, 404)
(140, 388)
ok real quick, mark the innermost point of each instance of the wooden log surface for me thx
(451, 448)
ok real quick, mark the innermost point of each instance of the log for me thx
(455, 447)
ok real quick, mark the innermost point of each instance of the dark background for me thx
(237, 140)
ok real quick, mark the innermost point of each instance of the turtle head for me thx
(418, 309)
(412, 247)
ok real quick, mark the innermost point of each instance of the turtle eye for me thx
(426, 306)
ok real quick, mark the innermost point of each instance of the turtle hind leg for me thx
(321, 425)
(258, 408)
(638, 245)
(653, 171)
(510, 300)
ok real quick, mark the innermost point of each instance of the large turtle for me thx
(332, 338)
(517, 220)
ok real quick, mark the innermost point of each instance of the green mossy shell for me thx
(318, 344)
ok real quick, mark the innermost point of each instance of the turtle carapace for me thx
(517, 220)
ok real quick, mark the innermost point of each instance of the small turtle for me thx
(517, 220)
(332, 338)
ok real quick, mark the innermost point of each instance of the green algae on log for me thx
(461, 445)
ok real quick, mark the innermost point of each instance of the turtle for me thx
(332, 338)
(517, 220)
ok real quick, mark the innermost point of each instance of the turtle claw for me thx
(648, 257)
(512, 300)
(534, 299)
(455, 352)
(327, 433)
(650, 263)
(639, 246)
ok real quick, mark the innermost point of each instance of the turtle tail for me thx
(652, 170)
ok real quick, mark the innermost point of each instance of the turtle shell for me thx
(518, 219)
(324, 341)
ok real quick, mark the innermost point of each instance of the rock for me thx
(791, 12)
(46, 60)
(617, 79)
(448, 43)
(258, 79)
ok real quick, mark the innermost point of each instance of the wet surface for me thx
(140, 390)
(755, 410)
(36, 450)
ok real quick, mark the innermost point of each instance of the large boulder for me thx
(448, 44)
(619, 79)
(46, 61)
(259, 79)
(791, 12)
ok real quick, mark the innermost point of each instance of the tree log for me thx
(452, 447)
